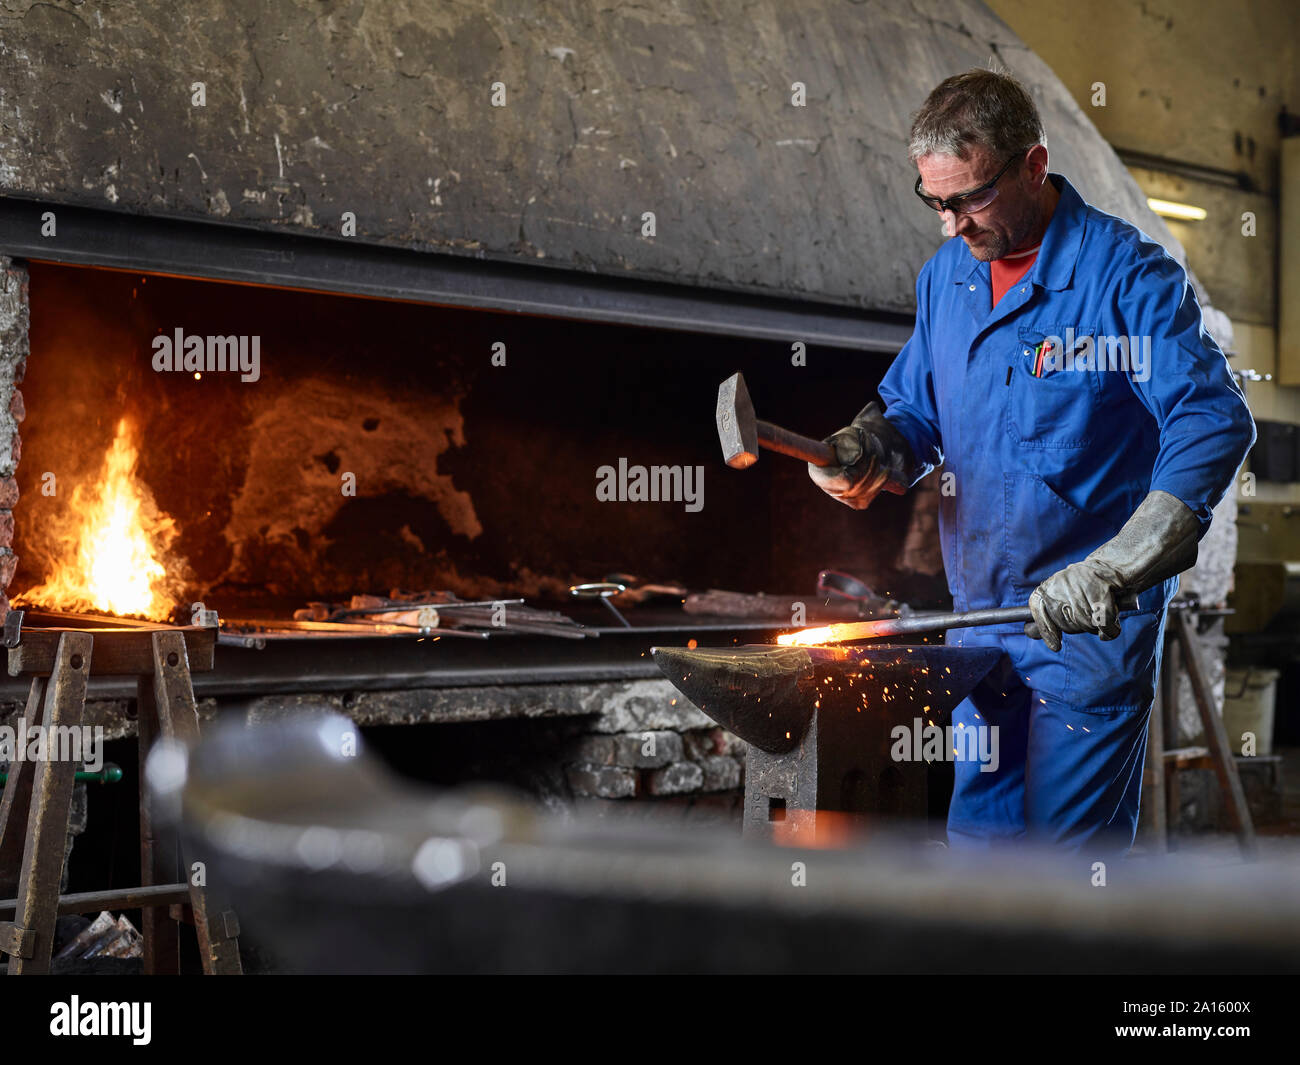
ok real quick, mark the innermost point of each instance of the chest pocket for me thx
(1052, 403)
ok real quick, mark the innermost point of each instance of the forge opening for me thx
(384, 445)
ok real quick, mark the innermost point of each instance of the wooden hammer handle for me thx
(774, 438)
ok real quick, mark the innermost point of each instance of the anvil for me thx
(819, 723)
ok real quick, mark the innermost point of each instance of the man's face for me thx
(1005, 223)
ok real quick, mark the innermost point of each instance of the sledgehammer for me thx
(742, 434)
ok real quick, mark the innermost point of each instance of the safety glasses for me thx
(967, 202)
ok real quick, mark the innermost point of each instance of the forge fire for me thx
(113, 549)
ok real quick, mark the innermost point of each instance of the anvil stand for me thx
(60, 662)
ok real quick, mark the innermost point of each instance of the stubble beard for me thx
(991, 246)
(995, 244)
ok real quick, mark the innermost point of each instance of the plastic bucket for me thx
(1248, 699)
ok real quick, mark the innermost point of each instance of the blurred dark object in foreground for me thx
(336, 866)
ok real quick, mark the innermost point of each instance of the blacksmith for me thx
(1078, 472)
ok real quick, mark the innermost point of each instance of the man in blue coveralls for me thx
(1060, 372)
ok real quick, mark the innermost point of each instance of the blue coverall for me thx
(1049, 458)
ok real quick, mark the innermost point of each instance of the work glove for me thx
(871, 456)
(1156, 543)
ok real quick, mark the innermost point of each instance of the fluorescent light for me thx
(1184, 212)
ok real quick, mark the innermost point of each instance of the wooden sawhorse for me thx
(38, 795)
(1160, 774)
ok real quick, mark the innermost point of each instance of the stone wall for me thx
(1210, 580)
(13, 362)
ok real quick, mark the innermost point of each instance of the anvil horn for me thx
(762, 694)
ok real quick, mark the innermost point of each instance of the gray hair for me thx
(987, 108)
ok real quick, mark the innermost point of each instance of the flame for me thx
(115, 545)
(809, 637)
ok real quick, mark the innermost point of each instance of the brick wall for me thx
(647, 742)
(655, 762)
(604, 743)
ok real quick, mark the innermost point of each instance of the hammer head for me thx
(737, 426)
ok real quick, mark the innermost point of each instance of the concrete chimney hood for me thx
(297, 124)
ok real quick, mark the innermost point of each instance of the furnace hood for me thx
(469, 130)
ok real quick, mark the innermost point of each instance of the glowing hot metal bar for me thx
(847, 631)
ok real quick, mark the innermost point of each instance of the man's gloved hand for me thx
(872, 456)
(1156, 543)
(1079, 598)
(858, 478)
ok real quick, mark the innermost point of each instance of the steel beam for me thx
(226, 252)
